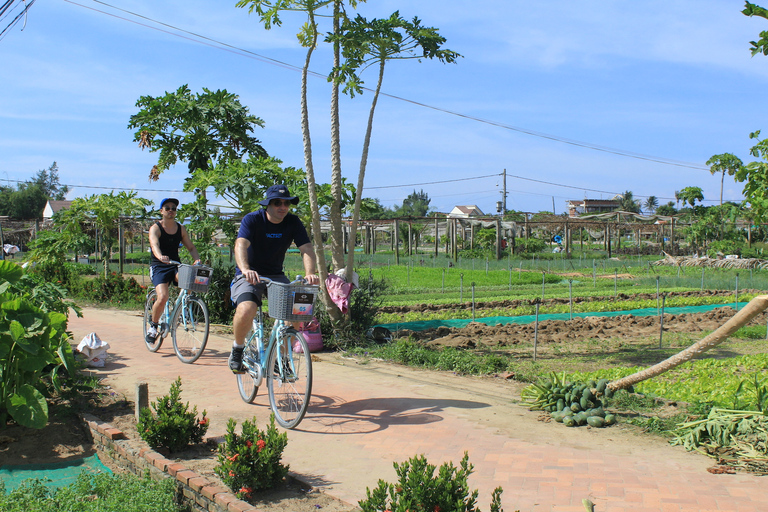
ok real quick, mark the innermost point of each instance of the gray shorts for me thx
(242, 291)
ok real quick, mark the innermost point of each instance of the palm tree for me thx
(629, 203)
(651, 204)
(726, 162)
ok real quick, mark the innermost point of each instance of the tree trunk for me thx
(322, 268)
(740, 319)
(337, 235)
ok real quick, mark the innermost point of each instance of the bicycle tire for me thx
(289, 397)
(151, 299)
(247, 387)
(190, 326)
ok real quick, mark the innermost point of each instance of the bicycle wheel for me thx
(289, 378)
(151, 299)
(189, 328)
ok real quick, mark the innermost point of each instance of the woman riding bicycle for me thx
(165, 236)
(262, 241)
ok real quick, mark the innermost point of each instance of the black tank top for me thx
(169, 245)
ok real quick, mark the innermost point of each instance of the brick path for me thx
(363, 417)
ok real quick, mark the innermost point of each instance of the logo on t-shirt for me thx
(274, 235)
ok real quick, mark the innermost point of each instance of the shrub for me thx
(419, 489)
(251, 461)
(172, 426)
(110, 290)
(217, 298)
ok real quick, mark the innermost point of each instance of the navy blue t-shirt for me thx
(269, 242)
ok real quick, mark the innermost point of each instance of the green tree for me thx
(724, 163)
(269, 12)
(373, 43)
(415, 205)
(48, 181)
(629, 203)
(690, 195)
(371, 208)
(667, 209)
(651, 204)
(104, 211)
(200, 129)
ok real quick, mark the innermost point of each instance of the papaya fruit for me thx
(596, 421)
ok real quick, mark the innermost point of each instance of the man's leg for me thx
(241, 324)
(162, 297)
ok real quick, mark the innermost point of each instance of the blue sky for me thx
(573, 99)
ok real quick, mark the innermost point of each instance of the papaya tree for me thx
(200, 129)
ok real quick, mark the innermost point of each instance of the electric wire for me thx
(235, 49)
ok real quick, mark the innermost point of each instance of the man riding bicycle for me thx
(165, 236)
(262, 242)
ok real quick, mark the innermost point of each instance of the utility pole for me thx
(504, 193)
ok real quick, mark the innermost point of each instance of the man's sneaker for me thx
(151, 335)
(236, 360)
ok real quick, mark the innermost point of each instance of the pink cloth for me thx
(339, 290)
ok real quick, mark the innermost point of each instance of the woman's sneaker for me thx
(236, 360)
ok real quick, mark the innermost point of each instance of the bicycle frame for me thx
(276, 335)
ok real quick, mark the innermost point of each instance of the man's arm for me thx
(187, 242)
(310, 263)
(241, 260)
(154, 244)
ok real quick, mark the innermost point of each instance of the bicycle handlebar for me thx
(299, 279)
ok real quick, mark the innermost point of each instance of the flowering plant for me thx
(251, 461)
(420, 490)
(172, 426)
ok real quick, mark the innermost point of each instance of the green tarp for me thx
(60, 474)
(527, 319)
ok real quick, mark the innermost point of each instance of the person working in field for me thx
(165, 236)
(262, 242)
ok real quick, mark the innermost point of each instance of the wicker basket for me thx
(195, 278)
(292, 303)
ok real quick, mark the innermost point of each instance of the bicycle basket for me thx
(195, 278)
(292, 303)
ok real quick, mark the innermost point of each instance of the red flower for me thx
(260, 444)
(234, 457)
(203, 421)
(246, 490)
(231, 473)
(249, 443)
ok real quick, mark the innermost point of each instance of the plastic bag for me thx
(94, 350)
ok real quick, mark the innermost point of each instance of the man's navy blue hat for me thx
(278, 192)
(169, 200)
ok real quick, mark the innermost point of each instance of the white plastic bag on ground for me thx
(94, 349)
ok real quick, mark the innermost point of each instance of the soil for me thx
(66, 438)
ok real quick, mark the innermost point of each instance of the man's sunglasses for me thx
(278, 202)
(170, 209)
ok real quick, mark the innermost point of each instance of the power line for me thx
(268, 60)
(102, 188)
(434, 182)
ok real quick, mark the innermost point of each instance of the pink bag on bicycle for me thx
(311, 332)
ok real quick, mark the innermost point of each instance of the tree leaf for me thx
(28, 407)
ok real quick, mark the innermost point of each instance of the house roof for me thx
(467, 210)
(52, 207)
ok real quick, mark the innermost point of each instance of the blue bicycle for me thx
(288, 368)
(187, 320)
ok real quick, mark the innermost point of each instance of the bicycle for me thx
(188, 320)
(289, 363)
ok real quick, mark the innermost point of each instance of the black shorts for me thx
(242, 291)
(160, 274)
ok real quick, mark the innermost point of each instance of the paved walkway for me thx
(364, 417)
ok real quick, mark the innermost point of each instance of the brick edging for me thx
(197, 491)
